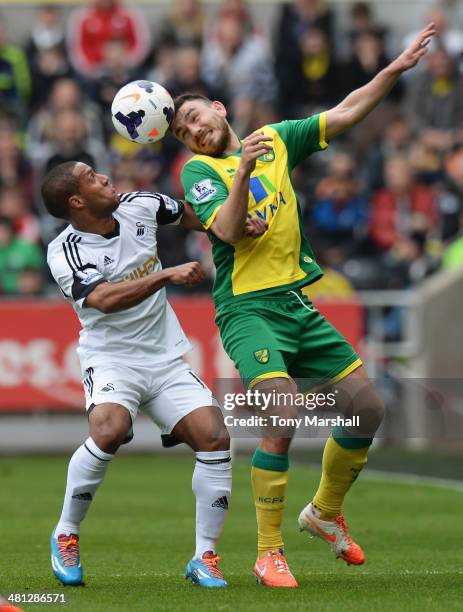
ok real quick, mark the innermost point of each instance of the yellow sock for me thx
(269, 476)
(340, 468)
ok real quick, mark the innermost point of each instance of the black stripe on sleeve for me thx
(77, 252)
(80, 291)
(169, 210)
(67, 258)
(71, 252)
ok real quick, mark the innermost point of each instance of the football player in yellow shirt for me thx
(269, 327)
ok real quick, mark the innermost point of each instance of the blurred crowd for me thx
(382, 207)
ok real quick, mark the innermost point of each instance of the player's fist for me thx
(255, 227)
(254, 145)
(189, 273)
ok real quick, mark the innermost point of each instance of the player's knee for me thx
(378, 409)
(109, 430)
(276, 396)
(216, 442)
(370, 410)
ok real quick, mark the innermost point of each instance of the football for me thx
(142, 111)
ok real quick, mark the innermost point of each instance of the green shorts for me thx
(283, 335)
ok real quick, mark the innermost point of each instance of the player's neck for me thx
(95, 226)
(234, 145)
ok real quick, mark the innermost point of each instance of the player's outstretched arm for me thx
(362, 101)
(114, 297)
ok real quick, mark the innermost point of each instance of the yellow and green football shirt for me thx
(280, 259)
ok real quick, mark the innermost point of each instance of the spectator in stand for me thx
(21, 263)
(402, 208)
(368, 58)
(162, 68)
(396, 139)
(448, 38)
(453, 211)
(363, 22)
(187, 75)
(49, 66)
(183, 25)
(65, 95)
(240, 10)
(450, 195)
(47, 31)
(15, 79)
(15, 206)
(46, 52)
(115, 73)
(103, 20)
(71, 141)
(15, 170)
(240, 65)
(31, 281)
(340, 212)
(452, 256)
(434, 101)
(313, 82)
(295, 19)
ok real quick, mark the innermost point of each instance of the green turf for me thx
(139, 535)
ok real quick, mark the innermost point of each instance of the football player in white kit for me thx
(130, 349)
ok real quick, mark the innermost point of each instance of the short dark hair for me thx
(187, 97)
(57, 187)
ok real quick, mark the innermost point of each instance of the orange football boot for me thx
(272, 570)
(335, 533)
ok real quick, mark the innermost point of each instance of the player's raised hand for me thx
(190, 273)
(254, 146)
(255, 227)
(416, 50)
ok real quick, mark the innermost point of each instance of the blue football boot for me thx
(65, 559)
(206, 572)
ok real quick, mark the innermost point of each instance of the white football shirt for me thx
(79, 261)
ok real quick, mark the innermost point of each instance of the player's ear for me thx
(218, 106)
(75, 202)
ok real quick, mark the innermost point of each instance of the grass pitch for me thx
(139, 535)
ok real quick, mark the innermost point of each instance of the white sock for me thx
(86, 471)
(211, 484)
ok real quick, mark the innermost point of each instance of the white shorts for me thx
(165, 392)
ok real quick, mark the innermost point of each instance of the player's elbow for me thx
(107, 307)
(339, 119)
(227, 234)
